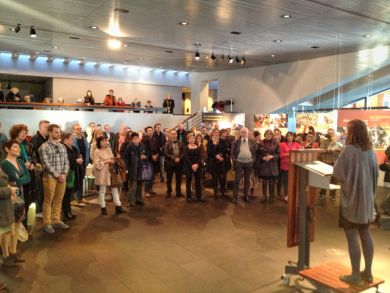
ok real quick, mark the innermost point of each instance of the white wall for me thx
(267, 88)
(73, 89)
(136, 121)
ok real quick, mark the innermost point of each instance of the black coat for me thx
(267, 168)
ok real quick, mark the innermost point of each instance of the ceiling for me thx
(154, 38)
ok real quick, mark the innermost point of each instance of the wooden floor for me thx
(328, 275)
(173, 246)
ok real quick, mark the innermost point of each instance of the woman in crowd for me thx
(309, 142)
(89, 99)
(192, 167)
(267, 165)
(217, 159)
(7, 219)
(103, 158)
(357, 171)
(285, 148)
(18, 175)
(18, 132)
(96, 133)
(75, 159)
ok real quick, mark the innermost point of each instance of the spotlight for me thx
(197, 56)
(237, 59)
(114, 44)
(15, 55)
(243, 61)
(222, 58)
(230, 59)
(33, 32)
(213, 56)
(17, 28)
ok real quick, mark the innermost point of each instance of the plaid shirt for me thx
(54, 158)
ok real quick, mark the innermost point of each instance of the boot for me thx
(119, 210)
(8, 262)
(264, 190)
(104, 211)
(16, 257)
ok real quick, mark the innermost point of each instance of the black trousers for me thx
(66, 207)
(218, 177)
(245, 168)
(29, 196)
(198, 184)
(178, 170)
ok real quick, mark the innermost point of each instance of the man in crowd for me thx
(243, 154)
(119, 139)
(37, 140)
(108, 134)
(169, 104)
(182, 134)
(160, 140)
(151, 148)
(329, 156)
(55, 163)
(173, 152)
(81, 143)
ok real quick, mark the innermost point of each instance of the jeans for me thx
(135, 191)
(53, 194)
(247, 169)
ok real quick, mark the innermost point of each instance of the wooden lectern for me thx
(304, 176)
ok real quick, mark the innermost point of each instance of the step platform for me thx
(327, 276)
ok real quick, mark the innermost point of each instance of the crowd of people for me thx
(49, 169)
(110, 100)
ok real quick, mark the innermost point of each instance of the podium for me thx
(306, 174)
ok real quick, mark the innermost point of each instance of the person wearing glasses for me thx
(55, 163)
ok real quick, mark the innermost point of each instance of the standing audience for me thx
(192, 157)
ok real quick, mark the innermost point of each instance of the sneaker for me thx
(74, 203)
(49, 229)
(366, 277)
(84, 201)
(81, 204)
(8, 262)
(39, 215)
(357, 281)
(61, 225)
(16, 257)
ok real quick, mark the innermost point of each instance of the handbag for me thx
(118, 173)
(146, 171)
(70, 178)
(19, 209)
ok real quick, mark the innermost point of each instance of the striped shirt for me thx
(54, 158)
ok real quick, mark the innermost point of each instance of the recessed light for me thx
(125, 45)
(367, 36)
(55, 47)
(141, 58)
(114, 44)
(273, 55)
(183, 23)
(74, 38)
(285, 16)
(169, 51)
(278, 41)
(236, 33)
(37, 52)
(197, 44)
(94, 27)
(121, 10)
(315, 47)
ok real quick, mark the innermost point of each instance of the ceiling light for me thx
(277, 41)
(237, 59)
(74, 38)
(315, 47)
(197, 56)
(243, 61)
(114, 44)
(33, 57)
(15, 55)
(183, 23)
(213, 56)
(94, 27)
(273, 55)
(197, 44)
(49, 59)
(141, 58)
(230, 59)
(286, 16)
(125, 45)
(55, 47)
(17, 28)
(33, 32)
(66, 60)
(367, 36)
(169, 51)
(236, 33)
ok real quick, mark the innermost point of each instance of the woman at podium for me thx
(357, 171)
